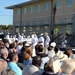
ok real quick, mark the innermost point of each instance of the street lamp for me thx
(53, 11)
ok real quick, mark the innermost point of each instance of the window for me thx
(24, 10)
(30, 30)
(56, 30)
(46, 6)
(24, 29)
(38, 7)
(58, 3)
(31, 9)
(69, 2)
(18, 11)
(37, 30)
(68, 29)
(46, 28)
(17, 30)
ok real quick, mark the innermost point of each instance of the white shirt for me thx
(29, 40)
(7, 37)
(20, 38)
(64, 43)
(44, 60)
(18, 48)
(47, 41)
(41, 39)
(34, 42)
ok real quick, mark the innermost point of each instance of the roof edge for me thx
(20, 4)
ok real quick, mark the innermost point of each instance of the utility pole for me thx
(53, 11)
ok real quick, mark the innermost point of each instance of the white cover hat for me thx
(51, 54)
(27, 44)
(68, 66)
(41, 34)
(61, 56)
(53, 44)
(56, 66)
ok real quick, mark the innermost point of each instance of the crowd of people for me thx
(21, 55)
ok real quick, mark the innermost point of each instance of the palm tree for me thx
(10, 27)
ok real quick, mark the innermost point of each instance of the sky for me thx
(6, 15)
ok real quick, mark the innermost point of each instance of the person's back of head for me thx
(4, 52)
(3, 65)
(5, 41)
(36, 47)
(36, 61)
(26, 56)
(23, 49)
(24, 43)
(48, 67)
(11, 46)
(13, 57)
(29, 51)
(40, 48)
(68, 52)
(15, 43)
(56, 49)
(46, 34)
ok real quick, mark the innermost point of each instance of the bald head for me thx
(4, 52)
(3, 65)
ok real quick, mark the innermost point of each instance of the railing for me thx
(70, 40)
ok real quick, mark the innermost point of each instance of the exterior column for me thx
(20, 20)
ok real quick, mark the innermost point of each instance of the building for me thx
(36, 16)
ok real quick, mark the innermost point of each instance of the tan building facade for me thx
(36, 16)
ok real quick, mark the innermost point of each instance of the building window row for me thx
(69, 3)
(38, 8)
(46, 7)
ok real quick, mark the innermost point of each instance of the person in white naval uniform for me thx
(47, 40)
(41, 39)
(19, 37)
(34, 43)
(29, 40)
(51, 52)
